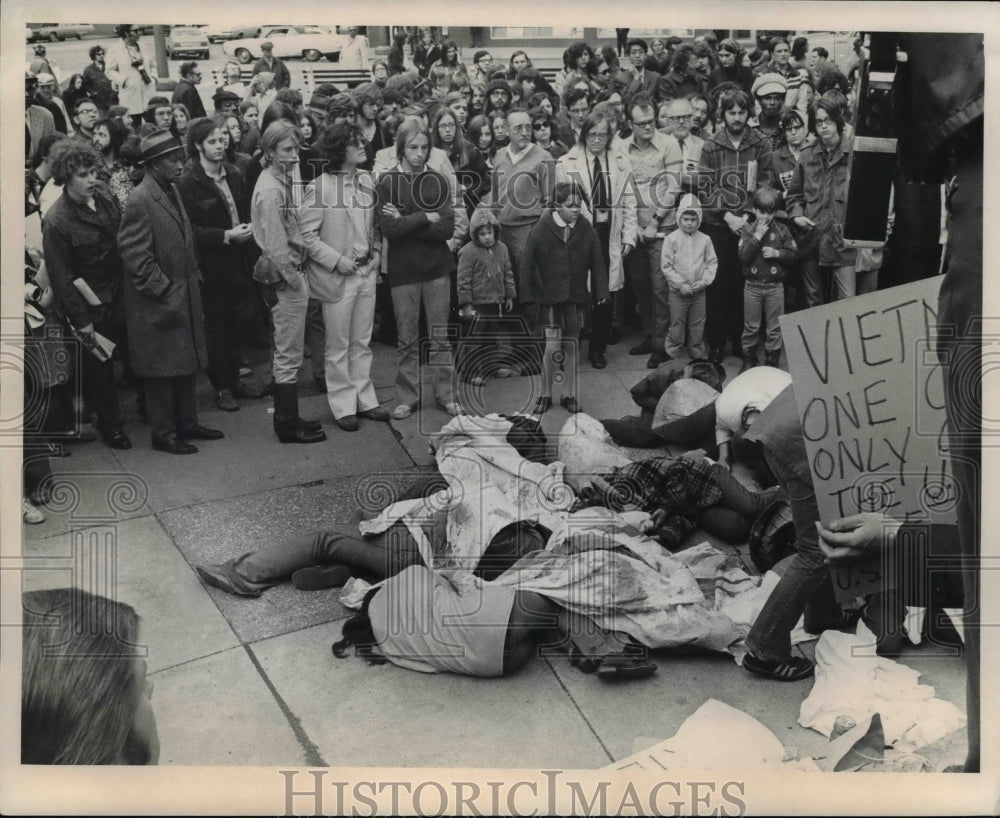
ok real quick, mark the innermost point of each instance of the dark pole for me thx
(160, 46)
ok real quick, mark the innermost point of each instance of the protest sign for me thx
(870, 394)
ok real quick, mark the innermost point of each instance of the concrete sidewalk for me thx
(229, 671)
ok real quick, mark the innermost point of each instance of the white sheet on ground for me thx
(716, 736)
(596, 563)
(860, 685)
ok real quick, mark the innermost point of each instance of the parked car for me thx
(221, 32)
(187, 41)
(308, 42)
(55, 32)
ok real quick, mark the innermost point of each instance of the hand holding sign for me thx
(857, 538)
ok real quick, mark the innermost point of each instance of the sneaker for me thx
(402, 412)
(30, 514)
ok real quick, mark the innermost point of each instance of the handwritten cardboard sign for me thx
(870, 394)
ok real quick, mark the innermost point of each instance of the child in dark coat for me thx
(561, 251)
(485, 293)
(768, 253)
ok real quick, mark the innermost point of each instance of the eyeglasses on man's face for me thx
(643, 123)
(597, 136)
(682, 118)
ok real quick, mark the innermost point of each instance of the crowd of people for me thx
(694, 192)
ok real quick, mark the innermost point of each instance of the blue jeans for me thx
(687, 324)
(805, 586)
(767, 300)
(435, 296)
(815, 281)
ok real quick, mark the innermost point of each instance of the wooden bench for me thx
(343, 78)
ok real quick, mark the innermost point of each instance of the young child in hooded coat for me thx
(485, 293)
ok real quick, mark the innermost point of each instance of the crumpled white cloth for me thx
(490, 486)
(586, 449)
(716, 736)
(861, 685)
(738, 595)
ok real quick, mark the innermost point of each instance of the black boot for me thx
(287, 424)
(749, 359)
(772, 358)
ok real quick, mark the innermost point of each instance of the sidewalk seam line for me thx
(583, 715)
(312, 754)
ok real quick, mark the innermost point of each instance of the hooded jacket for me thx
(485, 275)
(688, 258)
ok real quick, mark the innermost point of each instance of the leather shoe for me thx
(645, 348)
(715, 355)
(224, 400)
(598, 361)
(224, 576)
(241, 390)
(349, 423)
(375, 413)
(200, 433)
(173, 445)
(570, 405)
(117, 439)
(657, 358)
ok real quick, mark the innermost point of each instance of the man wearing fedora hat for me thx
(271, 64)
(163, 309)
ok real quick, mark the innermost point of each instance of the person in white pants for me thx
(343, 255)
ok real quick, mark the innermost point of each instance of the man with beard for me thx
(734, 163)
(769, 90)
(96, 83)
(163, 312)
(186, 93)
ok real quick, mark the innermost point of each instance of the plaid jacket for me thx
(680, 486)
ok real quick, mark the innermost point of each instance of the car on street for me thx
(187, 41)
(56, 32)
(220, 32)
(307, 42)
